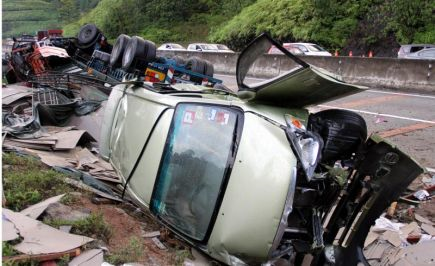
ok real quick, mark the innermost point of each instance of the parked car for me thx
(407, 49)
(222, 48)
(202, 47)
(311, 49)
(171, 47)
(292, 49)
(209, 47)
(301, 49)
(427, 53)
(253, 177)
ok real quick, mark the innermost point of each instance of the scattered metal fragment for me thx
(158, 243)
(151, 234)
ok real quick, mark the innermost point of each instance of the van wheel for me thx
(118, 50)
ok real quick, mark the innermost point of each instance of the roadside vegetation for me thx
(360, 26)
(347, 25)
(133, 251)
(26, 181)
(29, 16)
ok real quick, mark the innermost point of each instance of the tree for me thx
(68, 10)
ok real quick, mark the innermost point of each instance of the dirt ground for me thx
(127, 223)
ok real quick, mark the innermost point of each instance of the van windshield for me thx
(194, 165)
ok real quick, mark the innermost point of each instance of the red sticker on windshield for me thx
(189, 117)
(222, 118)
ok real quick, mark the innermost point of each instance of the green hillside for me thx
(28, 16)
(160, 20)
(348, 25)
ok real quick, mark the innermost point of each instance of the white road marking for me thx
(379, 114)
(403, 94)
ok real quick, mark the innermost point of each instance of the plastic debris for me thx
(421, 194)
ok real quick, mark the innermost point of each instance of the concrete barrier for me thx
(392, 73)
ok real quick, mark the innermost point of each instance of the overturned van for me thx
(251, 177)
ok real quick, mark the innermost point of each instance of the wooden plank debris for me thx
(40, 257)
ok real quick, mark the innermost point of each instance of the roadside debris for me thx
(39, 238)
(88, 258)
(403, 237)
(36, 210)
(60, 212)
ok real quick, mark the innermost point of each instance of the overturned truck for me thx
(90, 54)
(252, 177)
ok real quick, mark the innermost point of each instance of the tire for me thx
(195, 64)
(151, 51)
(209, 69)
(118, 50)
(88, 34)
(342, 132)
(138, 48)
(179, 60)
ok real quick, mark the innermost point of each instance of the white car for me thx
(209, 47)
(309, 48)
(171, 47)
(202, 47)
(222, 48)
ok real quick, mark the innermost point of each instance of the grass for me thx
(8, 250)
(28, 16)
(26, 181)
(93, 226)
(133, 251)
(181, 256)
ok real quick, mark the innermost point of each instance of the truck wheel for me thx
(138, 48)
(118, 50)
(209, 69)
(195, 64)
(150, 48)
(179, 60)
(88, 34)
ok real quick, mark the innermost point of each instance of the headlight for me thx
(307, 145)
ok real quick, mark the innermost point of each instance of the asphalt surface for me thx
(405, 119)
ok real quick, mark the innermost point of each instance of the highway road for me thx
(405, 119)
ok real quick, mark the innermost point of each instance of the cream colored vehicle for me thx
(252, 177)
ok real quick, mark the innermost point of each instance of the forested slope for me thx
(360, 26)
(28, 16)
(345, 25)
